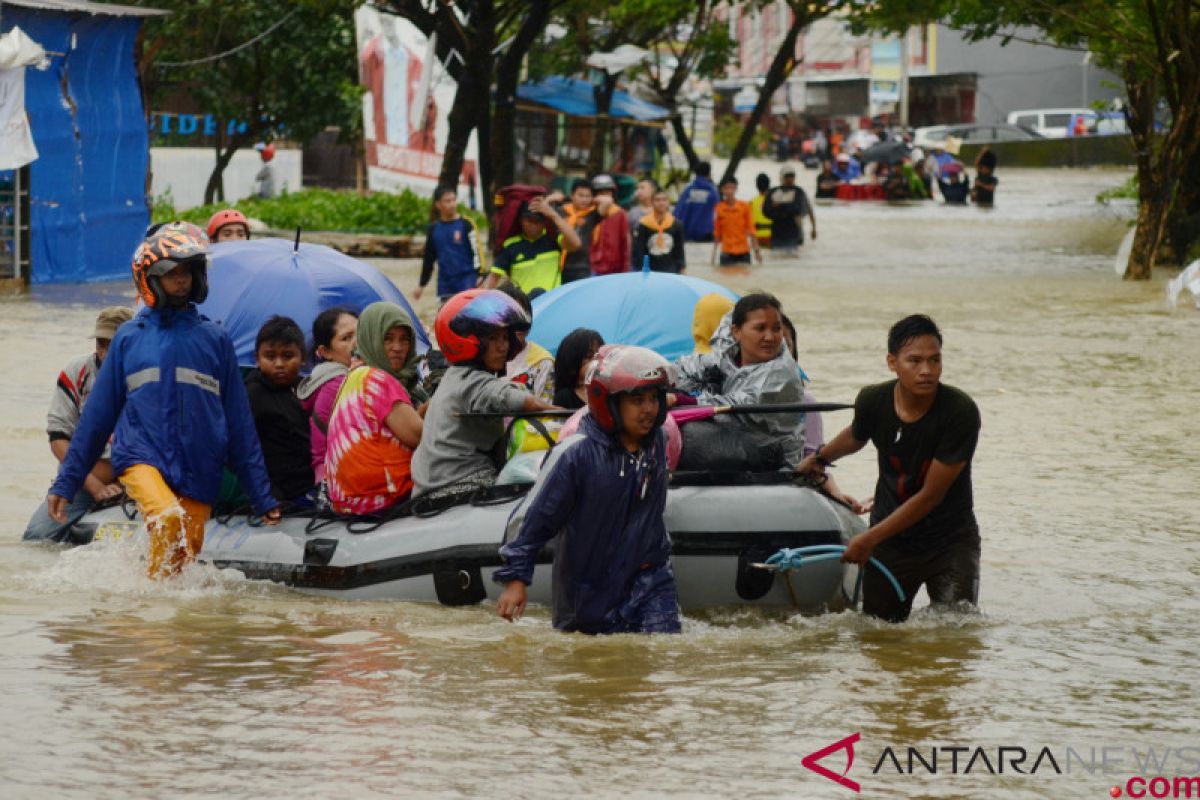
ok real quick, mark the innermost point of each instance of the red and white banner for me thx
(405, 106)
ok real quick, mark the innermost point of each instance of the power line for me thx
(219, 56)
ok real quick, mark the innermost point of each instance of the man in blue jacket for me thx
(696, 205)
(170, 388)
(605, 490)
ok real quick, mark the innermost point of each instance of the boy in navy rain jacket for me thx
(171, 389)
(605, 490)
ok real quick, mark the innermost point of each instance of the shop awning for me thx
(574, 96)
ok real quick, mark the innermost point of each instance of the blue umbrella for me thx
(249, 282)
(650, 309)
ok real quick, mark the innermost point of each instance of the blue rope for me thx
(790, 558)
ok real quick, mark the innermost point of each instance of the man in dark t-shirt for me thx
(923, 525)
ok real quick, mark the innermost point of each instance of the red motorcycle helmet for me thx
(170, 246)
(228, 216)
(469, 316)
(621, 368)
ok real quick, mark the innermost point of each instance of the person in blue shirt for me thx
(696, 205)
(847, 168)
(171, 390)
(451, 241)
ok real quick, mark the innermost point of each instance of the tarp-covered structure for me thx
(576, 97)
(88, 207)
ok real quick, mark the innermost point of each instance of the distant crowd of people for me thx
(556, 239)
(913, 176)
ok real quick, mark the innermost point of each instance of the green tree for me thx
(287, 68)
(682, 37)
(1154, 45)
(697, 45)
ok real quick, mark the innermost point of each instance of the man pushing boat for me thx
(923, 525)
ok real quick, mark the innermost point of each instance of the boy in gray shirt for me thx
(477, 330)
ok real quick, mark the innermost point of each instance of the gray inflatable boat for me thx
(718, 532)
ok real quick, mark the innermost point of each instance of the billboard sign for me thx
(406, 104)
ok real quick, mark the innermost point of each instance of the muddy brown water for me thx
(1086, 484)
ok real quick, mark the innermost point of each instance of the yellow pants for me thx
(175, 524)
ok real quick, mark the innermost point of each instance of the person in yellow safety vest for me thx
(532, 260)
(762, 223)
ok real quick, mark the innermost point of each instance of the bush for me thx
(727, 132)
(1126, 191)
(324, 210)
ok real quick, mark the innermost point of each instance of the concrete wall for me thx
(184, 172)
(1022, 75)
(1075, 151)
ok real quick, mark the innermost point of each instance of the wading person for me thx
(603, 493)
(787, 205)
(451, 243)
(75, 384)
(923, 525)
(171, 389)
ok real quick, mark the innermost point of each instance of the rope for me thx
(240, 47)
(790, 558)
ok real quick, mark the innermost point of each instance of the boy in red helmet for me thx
(228, 225)
(603, 492)
(477, 333)
(171, 389)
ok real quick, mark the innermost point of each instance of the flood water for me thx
(1086, 486)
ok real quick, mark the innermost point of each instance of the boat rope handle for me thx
(790, 558)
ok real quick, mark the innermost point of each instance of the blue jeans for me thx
(42, 528)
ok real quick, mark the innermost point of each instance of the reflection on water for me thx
(1085, 480)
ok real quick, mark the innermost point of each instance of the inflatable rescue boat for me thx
(720, 528)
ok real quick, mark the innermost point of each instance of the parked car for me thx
(936, 135)
(1053, 123)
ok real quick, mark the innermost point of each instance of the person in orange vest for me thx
(733, 228)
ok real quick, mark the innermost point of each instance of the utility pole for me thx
(902, 101)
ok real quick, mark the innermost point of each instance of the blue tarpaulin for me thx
(87, 205)
(574, 96)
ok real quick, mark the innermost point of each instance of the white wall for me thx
(185, 170)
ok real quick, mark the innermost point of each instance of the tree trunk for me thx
(484, 17)
(214, 190)
(464, 114)
(504, 113)
(685, 141)
(1142, 93)
(599, 153)
(503, 129)
(781, 66)
(1148, 235)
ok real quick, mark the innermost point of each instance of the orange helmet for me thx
(169, 246)
(473, 314)
(228, 216)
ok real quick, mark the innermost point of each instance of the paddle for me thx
(681, 414)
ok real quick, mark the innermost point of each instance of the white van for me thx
(1053, 122)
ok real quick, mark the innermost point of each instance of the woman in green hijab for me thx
(375, 427)
(387, 341)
